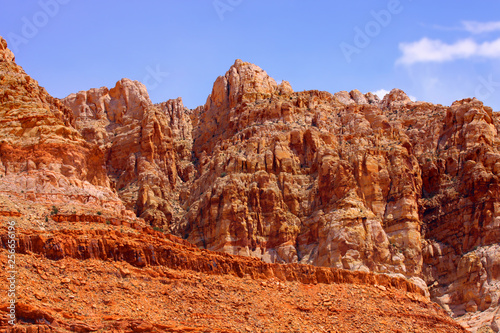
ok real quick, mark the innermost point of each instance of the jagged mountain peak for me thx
(5, 53)
(243, 82)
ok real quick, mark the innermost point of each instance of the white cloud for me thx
(473, 27)
(480, 27)
(381, 93)
(412, 98)
(429, 50)
(490, 49)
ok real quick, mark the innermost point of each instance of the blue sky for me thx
(437, 51)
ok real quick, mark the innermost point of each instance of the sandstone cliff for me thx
(345, 181)
(43, 157)
(350, 181)
(145, 145)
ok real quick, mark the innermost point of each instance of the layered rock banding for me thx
(193, 290)
(346, 181)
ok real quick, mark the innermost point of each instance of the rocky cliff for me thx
(344, 181)
(147, 147)
(43, 157)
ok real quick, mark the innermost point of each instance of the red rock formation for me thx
(146, 145)
(232, 294)
(352, 182)
(306, 178)
(344, 181)
(43, 158)
(142, 250)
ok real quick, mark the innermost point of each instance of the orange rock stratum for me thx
(264, 210)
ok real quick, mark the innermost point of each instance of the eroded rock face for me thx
(350, 181)
(345, 181)
(43, 157)
(145, 145)
(305, 177)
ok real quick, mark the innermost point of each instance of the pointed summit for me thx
(5, 53)
(243, 82)
(395, 98)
